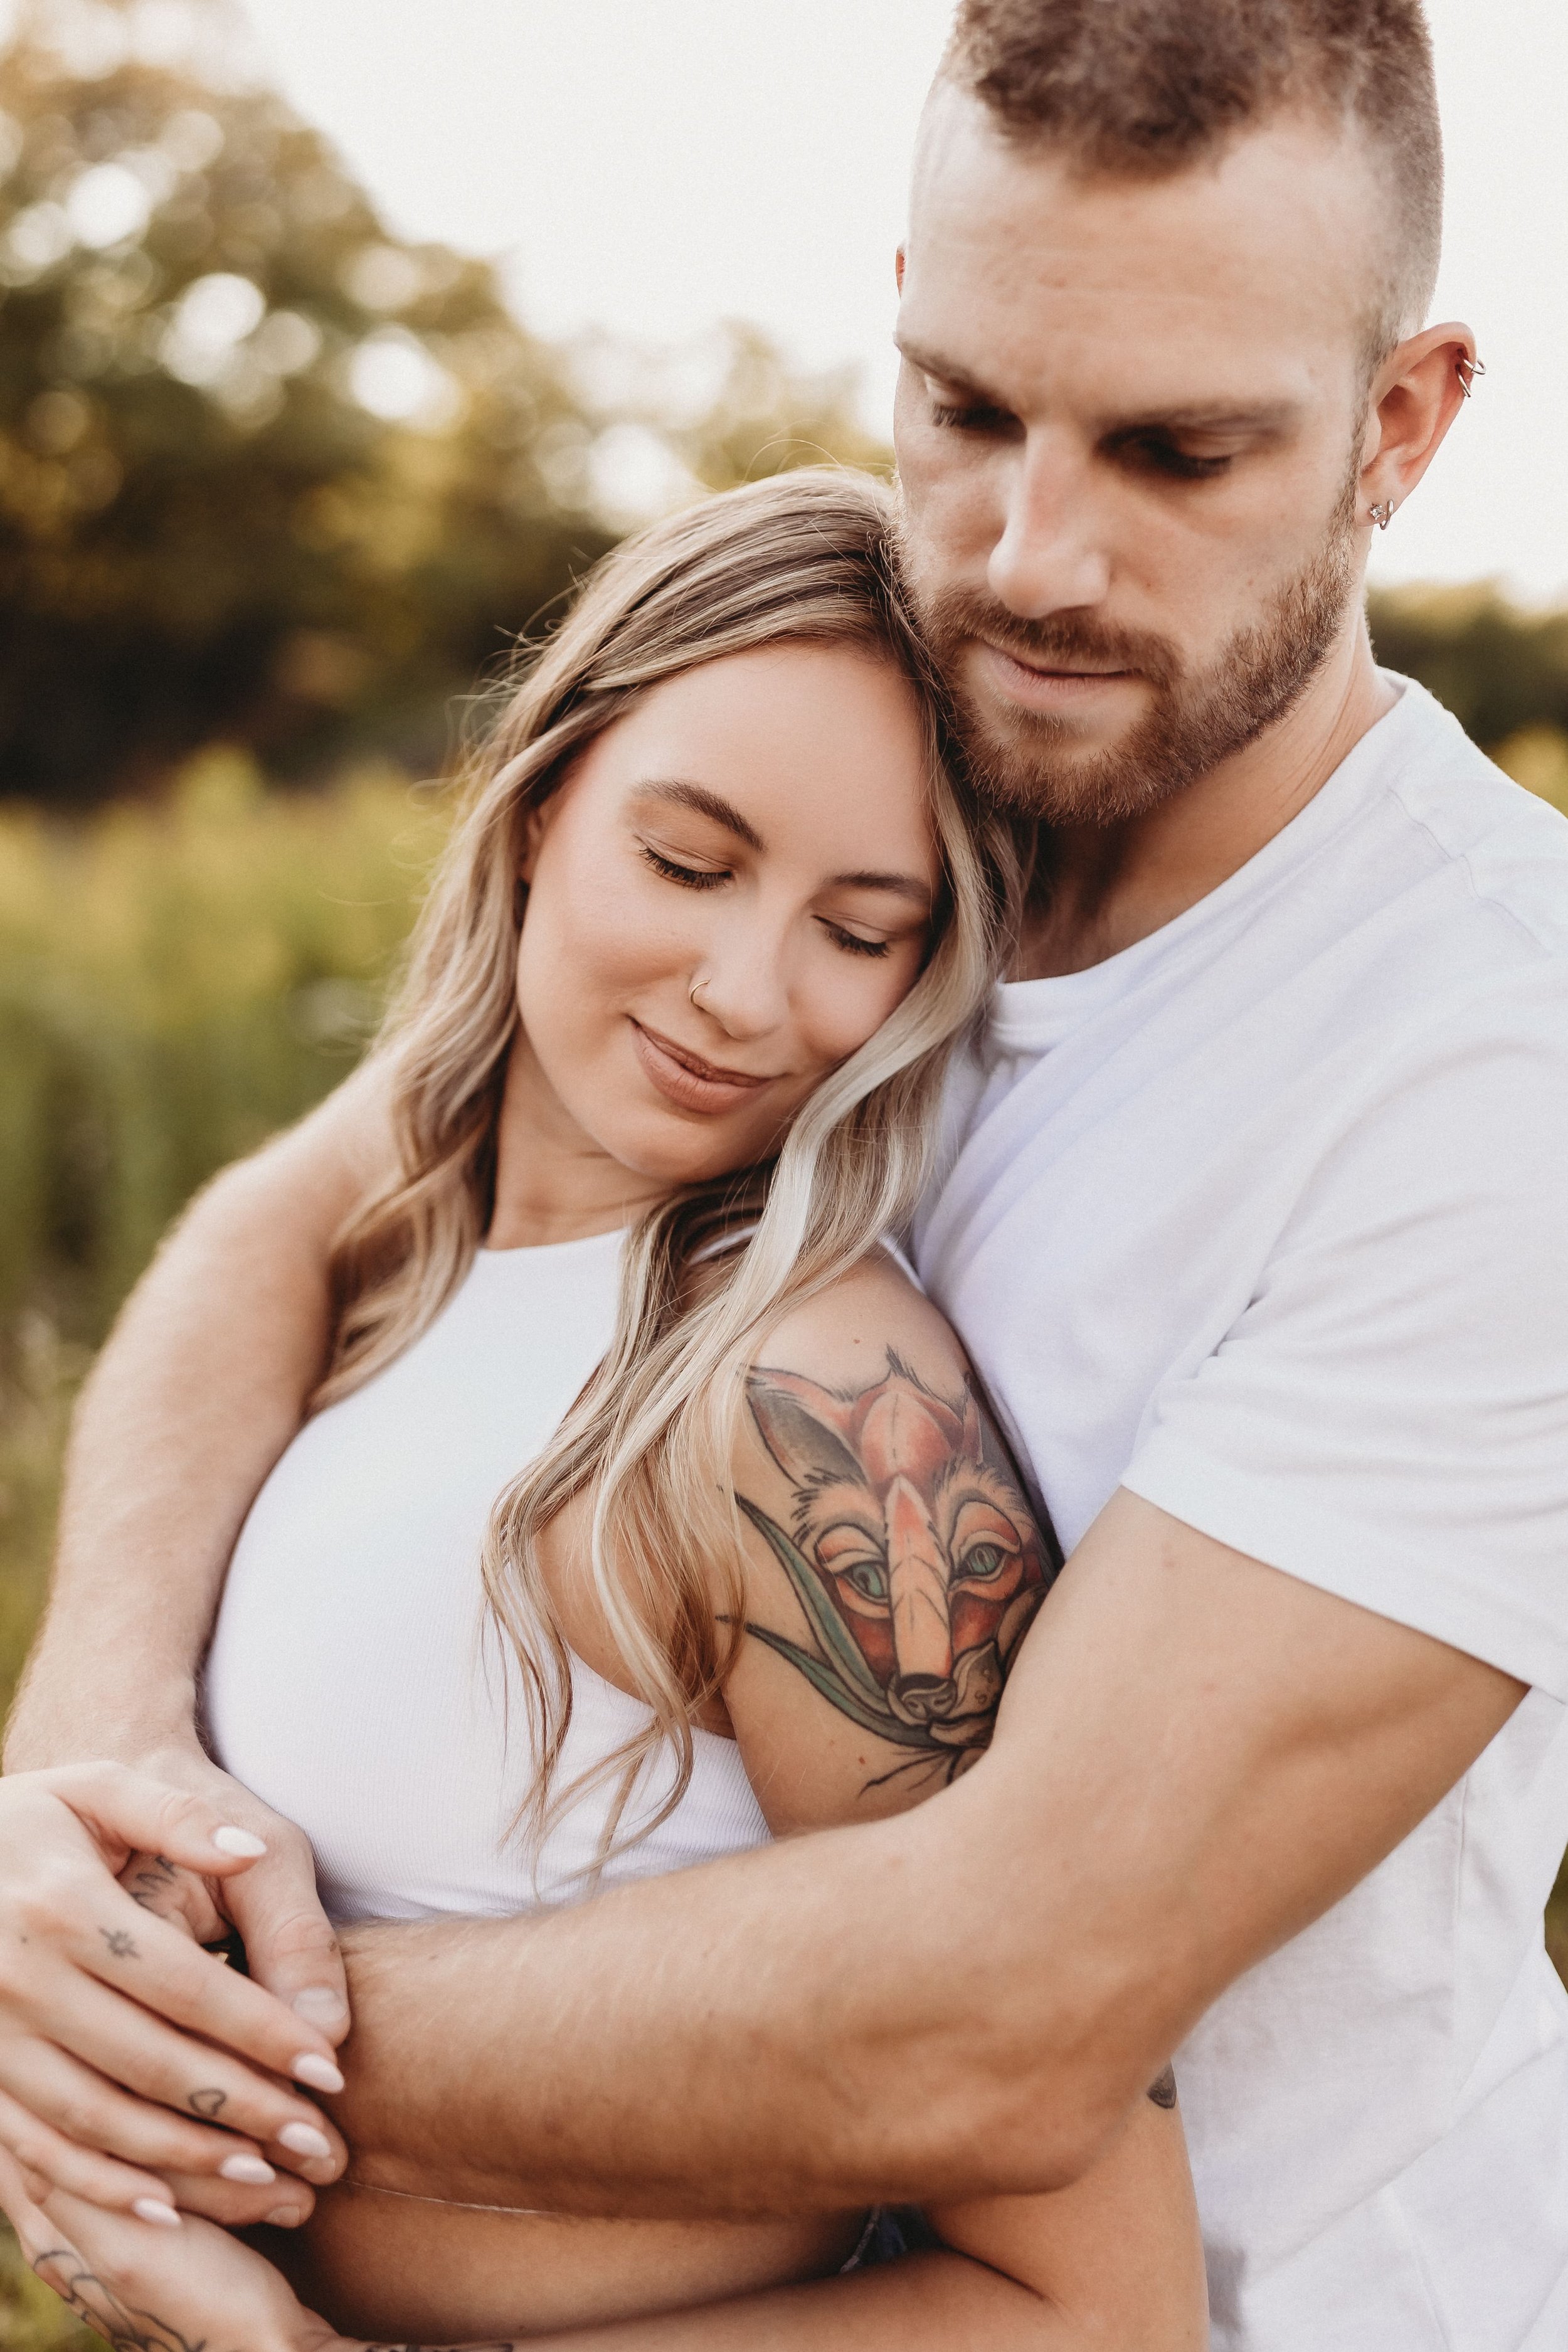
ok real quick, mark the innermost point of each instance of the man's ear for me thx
(1417, 393)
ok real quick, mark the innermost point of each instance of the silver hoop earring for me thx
(1383, 515)
(1467, 370)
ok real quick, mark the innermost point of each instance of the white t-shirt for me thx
(1266, 1219)
(349, 1683)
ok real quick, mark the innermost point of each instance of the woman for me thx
(664, 1072)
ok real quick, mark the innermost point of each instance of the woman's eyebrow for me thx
(903, 886)
(703, 803)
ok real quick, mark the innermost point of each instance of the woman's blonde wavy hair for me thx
(803, 557)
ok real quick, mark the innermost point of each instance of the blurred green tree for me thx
(269, 473)
(265, 470)
(1498, 670)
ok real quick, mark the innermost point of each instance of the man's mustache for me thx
(1064, 640)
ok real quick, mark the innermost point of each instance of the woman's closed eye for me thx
(854, 942)
(689, 877)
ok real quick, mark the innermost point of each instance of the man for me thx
(1249, 1215)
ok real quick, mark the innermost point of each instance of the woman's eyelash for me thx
(690, 878)
(699, 878)
(855, 943)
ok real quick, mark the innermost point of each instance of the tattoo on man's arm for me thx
(1164, 2092)
(121, 1946)
(916, 1560)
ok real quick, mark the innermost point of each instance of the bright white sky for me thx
(653, 165)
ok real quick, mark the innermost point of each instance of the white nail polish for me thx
(152, 2209)
(319, 2073)
(304, 2139)
(284, 2217)
(253, 2170)
(320, 2005)
(238, 1842)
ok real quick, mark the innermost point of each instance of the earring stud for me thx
(1383, 515)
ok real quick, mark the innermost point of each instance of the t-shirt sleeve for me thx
(1388, 1417)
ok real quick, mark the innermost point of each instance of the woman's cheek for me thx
(854, 1002)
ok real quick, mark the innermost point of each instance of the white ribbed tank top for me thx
(348, 1684)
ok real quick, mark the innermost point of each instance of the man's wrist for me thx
(86, 1715)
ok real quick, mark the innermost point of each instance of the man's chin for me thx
(1043, 765)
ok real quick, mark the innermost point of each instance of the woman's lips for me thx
(685, 1079)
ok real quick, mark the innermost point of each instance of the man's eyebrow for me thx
(1264, 416)
(1212, 416)
(947, 371)
(703, 803)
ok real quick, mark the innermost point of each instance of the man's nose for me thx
(1050, 557)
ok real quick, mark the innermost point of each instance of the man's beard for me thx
(1028, 761)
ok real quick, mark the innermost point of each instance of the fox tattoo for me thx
(916, 1559)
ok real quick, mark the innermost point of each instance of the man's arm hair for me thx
(200, 1386)
(1194, 1758)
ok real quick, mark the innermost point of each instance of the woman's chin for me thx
(687, 1156)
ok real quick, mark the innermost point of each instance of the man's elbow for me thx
(1041, 2130)
(1019, 2111)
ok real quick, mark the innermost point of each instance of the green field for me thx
(175, 983)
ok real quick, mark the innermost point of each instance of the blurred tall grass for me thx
(176, 983)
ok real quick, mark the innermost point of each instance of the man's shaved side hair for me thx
(1147, 87)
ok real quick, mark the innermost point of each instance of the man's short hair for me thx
(1150, 86)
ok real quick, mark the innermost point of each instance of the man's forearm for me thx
(199, 1389)
(769, 2034)
(966, 1999)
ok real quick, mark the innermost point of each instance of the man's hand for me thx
(105, 2087)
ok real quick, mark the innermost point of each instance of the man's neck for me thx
(1110, 887)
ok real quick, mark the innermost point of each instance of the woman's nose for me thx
(743, 981)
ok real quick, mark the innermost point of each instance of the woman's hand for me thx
(110, 2083)
(149, 2290)
(272, 1904)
